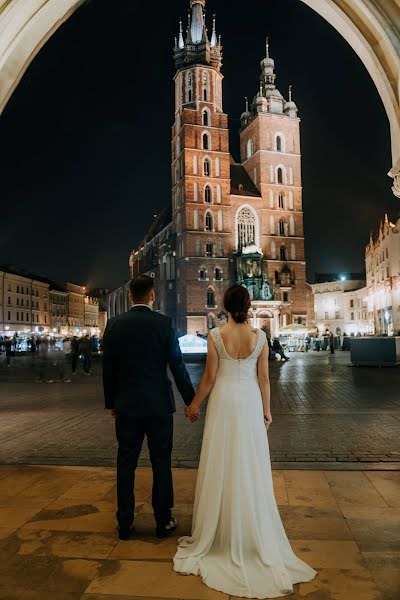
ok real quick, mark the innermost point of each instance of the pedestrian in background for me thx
(85, 349)
(8, 344)
(277, 348)
(43, 360)
(74, 354)
(61, 361)
(332, 342)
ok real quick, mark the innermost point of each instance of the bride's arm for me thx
(263, 380)
(207, 381)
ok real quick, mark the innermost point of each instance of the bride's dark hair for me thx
(237, 302)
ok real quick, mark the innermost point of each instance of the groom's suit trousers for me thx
(130, 434)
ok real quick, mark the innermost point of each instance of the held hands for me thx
(192, 412)
(111, 413)
(267, 418)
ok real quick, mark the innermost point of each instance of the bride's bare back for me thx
(240, 340)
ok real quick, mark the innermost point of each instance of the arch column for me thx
(372, 29)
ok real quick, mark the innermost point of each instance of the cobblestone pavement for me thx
(325, 413)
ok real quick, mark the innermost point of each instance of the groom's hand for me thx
(112, 413)
(193, 413)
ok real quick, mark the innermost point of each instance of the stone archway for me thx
(371, 27)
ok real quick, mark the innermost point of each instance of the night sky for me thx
(85, 139)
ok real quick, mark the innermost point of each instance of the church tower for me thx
(271, 155)
(200, 175)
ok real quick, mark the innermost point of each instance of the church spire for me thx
(197, 48)
(268, 76)
(214, 40)
(181, 43)
(197, 21)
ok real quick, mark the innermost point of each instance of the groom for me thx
(138, 347)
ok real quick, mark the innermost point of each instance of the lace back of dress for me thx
(219, 344)
(216, 336)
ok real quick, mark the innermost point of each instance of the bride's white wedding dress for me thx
(238, 543)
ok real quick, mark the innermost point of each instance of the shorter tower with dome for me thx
(229, 222)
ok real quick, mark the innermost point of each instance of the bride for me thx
(238, 544)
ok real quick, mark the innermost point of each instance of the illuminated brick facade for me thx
(230, 222)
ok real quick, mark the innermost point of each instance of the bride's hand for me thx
(267, 418)
(192, 412)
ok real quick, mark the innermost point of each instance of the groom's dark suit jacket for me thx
(138, 347)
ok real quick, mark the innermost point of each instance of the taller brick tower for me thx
(232, 222)
(200, 174)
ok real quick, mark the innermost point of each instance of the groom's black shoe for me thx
(163, 531)
(125, 534)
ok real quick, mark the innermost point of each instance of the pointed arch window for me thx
(195, 164)
(272, 225)
(206, 141)
(209, 222)
(220, 221)
(281, 200)
(202, 274)
(282, 227)
(282, 253)
(206, 118)
(246, 228)
(189, 87)
(279, 175)
(209, 249)
(206, 86)
(292, 226)
(196, 220)
(279, 143)
(250, 148)
(207, 167)
(219, 194)
(210, 298)
(271, 199)
(208, 194)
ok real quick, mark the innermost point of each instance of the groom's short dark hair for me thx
(141, 288)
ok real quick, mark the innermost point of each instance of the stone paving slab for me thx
(65, 546)
(326, 414)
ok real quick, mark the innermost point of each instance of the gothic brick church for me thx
(228, 222)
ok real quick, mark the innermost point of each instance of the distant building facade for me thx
(342, 307)
(229, 222)
(382, 257)
(24, 302)
(34, 305)
(58, 300)
(91, 319)
(76, 307)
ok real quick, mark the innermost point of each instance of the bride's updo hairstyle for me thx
(237, 302)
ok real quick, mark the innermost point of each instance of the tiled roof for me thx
(13, 270)
(241, 183)
(162, 220)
